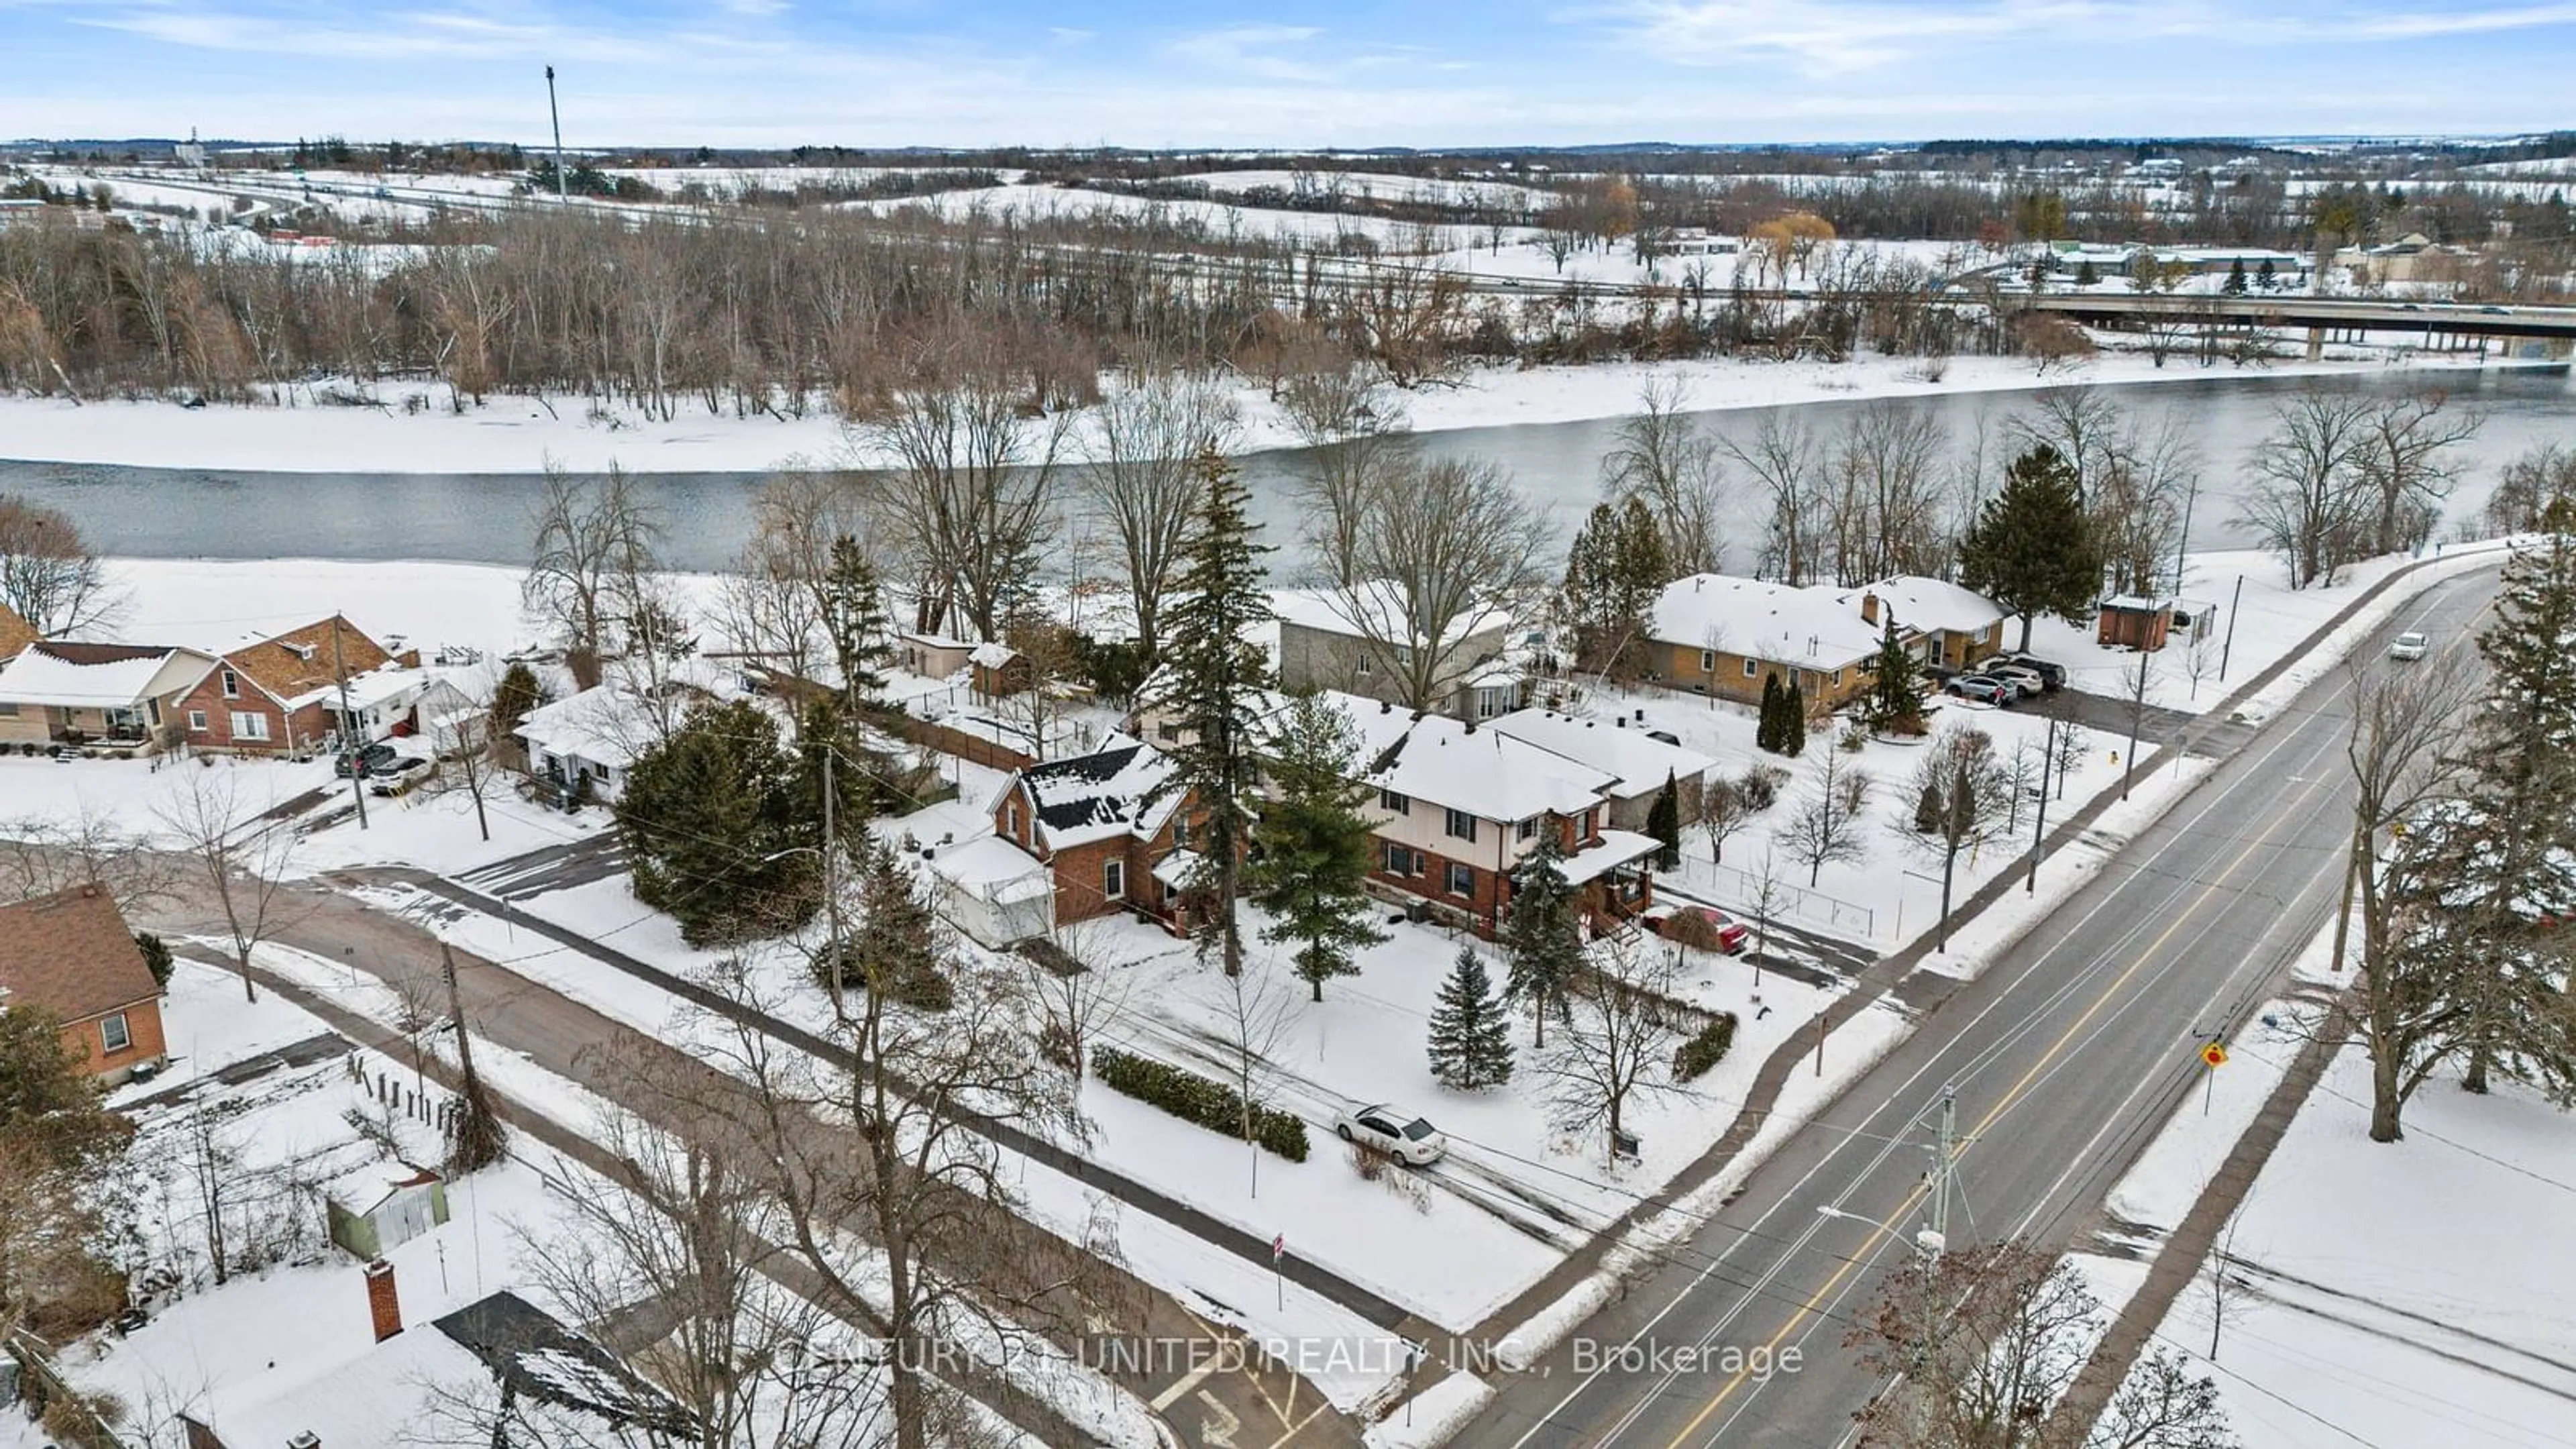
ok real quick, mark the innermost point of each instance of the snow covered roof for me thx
(1927, 604)
(1375, 612)
(392, 684)
(1487, 774)
(1640, 763)
(363, 1190)
(98, 676)
(991, 867)
(1802, 628)
(1615, 848)
(603, 724)
(2136, 601)
(991, 655)
(1176, 868)
(1095, 796)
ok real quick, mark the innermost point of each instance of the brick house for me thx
(281, 694)
(72, 955)
(1091, 821)
(121, 697)
(1458, 806)
(1719, 635)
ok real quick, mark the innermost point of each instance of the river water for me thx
(485, 518)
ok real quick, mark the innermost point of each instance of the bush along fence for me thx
(1194, 1098)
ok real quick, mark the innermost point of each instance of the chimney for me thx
(1869, 608)
(305, 1440)
(382, 1303)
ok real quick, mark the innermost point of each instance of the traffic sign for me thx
(2214, 1054)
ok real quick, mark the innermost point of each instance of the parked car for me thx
(368, 761)
(2410, 645)
(1406, 1138)
(1729, 932)
(397, 775)
(2052, 674)
(2026, 683)
(1981, 687)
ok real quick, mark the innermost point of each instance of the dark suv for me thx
(369, 761)
(2053, 675)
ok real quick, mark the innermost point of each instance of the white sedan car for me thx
(2409, 645)
(1401, 1135)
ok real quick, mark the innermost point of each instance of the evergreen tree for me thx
(1314, 843)
(1471, 1042)
(2031, 548)
(1542, 931)
(156, 957)
(1793, 719)
(718, 827)
(1664, 823)
(2236, 280)
(1614, 570)
(1766, 726)
(853, 610)
(2268, 276)
(2507, 850)
(2086, 274)
(512, 699)
(1215, 686)
(828, 750)
(1928, 811)
(891, 946)
(1895, 701)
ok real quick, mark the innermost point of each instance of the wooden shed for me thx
(2132, 622)
(383, 1205)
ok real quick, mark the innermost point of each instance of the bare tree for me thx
(48, 576)
(1782, 458)
(1723, 811)
(2086, 426)
(1137, 482)
(2407, 466)
(1664, 457)
(2306, 502)
(595, 544)
(42, 854)
(1963, 794)
(1883, 495)
(686, 1231)
(1077, 995)
(1985, 1342)
(890, 1140)
(1826, 827)
(970, 498)
(1616, 1041)
(244, 859)
(773, 603)
(2408, 1008)
(1422, 557)
(1251, 1008)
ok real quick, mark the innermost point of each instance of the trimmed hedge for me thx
(1696, 1056)
(1194, 1098)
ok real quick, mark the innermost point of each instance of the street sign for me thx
(1278, 1247)
(2214, 1054)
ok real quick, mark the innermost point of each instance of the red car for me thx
(1729, 932)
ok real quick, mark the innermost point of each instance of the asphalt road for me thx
(2065, 1056)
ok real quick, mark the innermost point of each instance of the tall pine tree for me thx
(1542, 931)
(853, 611)
(1664, 823)
(1766, 729)
(716, 823)
(1895, 701)
(1314, 843)
(1614, 570)
(1793, 719)
(1215, 685)
(1471, 1042)
(2031, 548)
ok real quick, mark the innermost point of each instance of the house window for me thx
(1403, 656)
(248, 725)
(1708, 661)
(113, 1034)
(1749, 668)
(1488, 703)
(1390, 801)
(1527, 829)
(152, 709)
(8, 710)
(1838, 679)
(1113, 879)
(1403, 860)
(1167, 730)
(1462, 825)
(1011, 821)
(1180, 832)
(232, 685)
(1462, 881)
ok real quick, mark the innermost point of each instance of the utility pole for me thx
(1931, 1243)
(2190, 496)
(556, 114)
(2039, 832)
(831, 894)
(2137, 718)
(348, 727)
(2230, 647)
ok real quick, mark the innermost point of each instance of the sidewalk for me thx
(2212, 735)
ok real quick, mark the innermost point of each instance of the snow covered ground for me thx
(2409, 1295)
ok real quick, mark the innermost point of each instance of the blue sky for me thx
(1315, 73)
